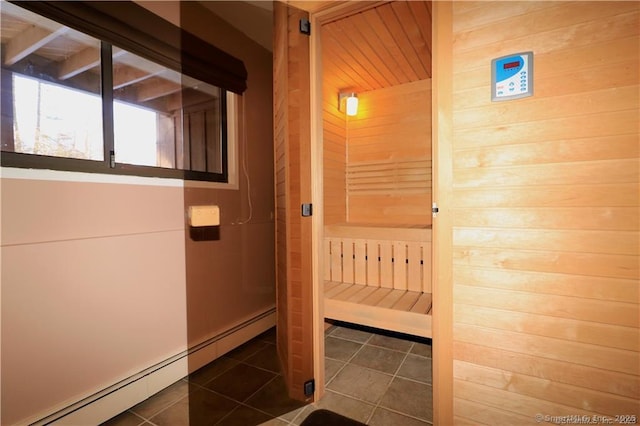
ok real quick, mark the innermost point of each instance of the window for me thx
(71, 101)
(53, 120)
(164, 119)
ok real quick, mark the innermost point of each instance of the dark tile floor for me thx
(375, 377)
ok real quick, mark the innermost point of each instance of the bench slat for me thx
(380, 232)
(423, 305)
(391, 299)
(336, 260)
(379, 279)
(386, 267)
(414, 266)
(348, 293)
(328, 285)
(347, 260)
(337, 290)
(360, 261)
(426, 276)
(365, 292)
(326, 252)
(400, 265)
(403, 321)
(407, 301)
(375, 297)
(373, 265)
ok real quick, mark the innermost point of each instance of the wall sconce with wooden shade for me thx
(348, 103)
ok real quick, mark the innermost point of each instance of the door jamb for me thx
(442, 153)
(317, 197)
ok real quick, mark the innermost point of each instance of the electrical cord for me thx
(245, 171)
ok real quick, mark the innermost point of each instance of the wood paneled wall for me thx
(334, 131)
(281, 177)
(546, 214)
(388, 169)
(292, 144)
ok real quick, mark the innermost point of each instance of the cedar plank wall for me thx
(292, 156)
(281, 158)
(389, 156)
(334, 133)
(545, 209)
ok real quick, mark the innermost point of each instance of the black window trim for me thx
(166, 55)
(138, 30)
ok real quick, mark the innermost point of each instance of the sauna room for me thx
(377, 167)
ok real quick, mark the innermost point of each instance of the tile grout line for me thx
(148, 419)
(143, 419)
(303, 409)
(373, 344)
(345, 363)
(406, 415)
(243, 403)
(186, 380)
(350, 359)
(278, 374)
(164, 408)
(252, 395)
(229, 413)
(299, 414)
(395, 375)
(390, 381)
(375, 406)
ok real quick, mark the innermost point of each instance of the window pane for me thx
(52, 104)
(51, 88)
(163, 118)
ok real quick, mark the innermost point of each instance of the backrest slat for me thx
(397, 264)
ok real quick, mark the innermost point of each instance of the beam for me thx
(84, 60)
(165, 73)
(78, 63)
(125, 76)
(130, 69)
(156, 89)
(29, 41)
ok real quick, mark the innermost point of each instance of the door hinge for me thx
(305, 26)
(307, 210)
(309, 387)
(434, 209)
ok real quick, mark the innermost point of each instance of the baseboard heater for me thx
(111, 401)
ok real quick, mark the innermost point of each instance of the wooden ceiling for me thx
(382, 46)
(36, 46)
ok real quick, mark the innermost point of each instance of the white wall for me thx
(101, 280)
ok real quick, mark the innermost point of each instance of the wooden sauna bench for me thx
(379, 276)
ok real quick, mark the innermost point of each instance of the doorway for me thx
(375, 250)
(313, 152)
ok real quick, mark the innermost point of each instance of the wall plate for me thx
(512, 77)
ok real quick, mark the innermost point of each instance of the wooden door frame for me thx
(294, 232)
(442, 133)
(317, 195)
(442, 261)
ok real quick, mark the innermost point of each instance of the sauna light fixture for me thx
(348, 102)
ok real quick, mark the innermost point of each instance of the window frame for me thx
(59, 13)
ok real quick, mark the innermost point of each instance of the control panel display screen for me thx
(512, 76)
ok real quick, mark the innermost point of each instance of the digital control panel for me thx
(512, 76)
